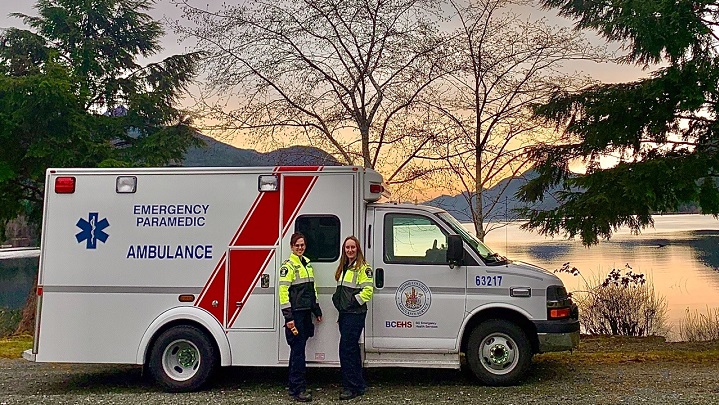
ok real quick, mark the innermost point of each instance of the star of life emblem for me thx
(92, 230)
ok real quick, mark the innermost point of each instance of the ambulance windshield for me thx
(472, 240)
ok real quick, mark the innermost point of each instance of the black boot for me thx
(303, 396)
(347, 394)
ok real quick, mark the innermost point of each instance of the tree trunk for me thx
(478, 216)
(27, 322)
(364, 133)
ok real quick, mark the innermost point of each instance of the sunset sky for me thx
(164, 9)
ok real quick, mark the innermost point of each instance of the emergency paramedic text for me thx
(170, 215)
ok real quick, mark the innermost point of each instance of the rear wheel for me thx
(498, 353)
(183, 359)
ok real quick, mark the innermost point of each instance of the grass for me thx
(9, 319)
(592, 349)
(12, 347)
(623, 349)
(697, 327)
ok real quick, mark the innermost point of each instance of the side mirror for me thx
(455, 251)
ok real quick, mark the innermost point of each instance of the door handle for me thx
(265, 281)
(379, 277)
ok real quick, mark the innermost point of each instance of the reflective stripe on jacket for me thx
(297, 288)
(354, 289)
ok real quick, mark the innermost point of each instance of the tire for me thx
(183, 359)
(499, 353)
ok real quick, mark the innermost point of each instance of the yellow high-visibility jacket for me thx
(297, 287)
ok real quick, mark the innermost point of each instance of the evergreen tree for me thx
(73, 94)
(663, 129)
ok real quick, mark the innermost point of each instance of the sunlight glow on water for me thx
(680, 255)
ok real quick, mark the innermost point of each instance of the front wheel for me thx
(183, 359)
(498, 353)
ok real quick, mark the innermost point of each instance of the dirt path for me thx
(603, 372)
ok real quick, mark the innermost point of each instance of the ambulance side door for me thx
(419, 301)
(327, 215)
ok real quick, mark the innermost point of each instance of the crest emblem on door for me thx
(413, 298)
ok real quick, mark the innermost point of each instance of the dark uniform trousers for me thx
(351, 326)
(305, 330)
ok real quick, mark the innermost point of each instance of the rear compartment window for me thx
(322, 234)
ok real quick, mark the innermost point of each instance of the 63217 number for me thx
(488, 281)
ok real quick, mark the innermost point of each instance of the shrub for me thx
(624, 303)
(9, 319)
(698, 327)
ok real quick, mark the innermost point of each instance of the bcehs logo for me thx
(92, 230)
(413, 298)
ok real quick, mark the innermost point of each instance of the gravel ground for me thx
(566, 379)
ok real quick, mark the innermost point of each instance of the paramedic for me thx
(354, 290)
(298, 301)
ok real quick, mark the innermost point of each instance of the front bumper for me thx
(558, 335)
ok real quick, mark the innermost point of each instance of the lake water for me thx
(17, 274)
(680, 255)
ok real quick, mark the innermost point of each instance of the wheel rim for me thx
(498, 353)
(181, 360)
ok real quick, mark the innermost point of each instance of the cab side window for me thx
(413, 239)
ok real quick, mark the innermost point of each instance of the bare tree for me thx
(341, 75)
(501, 66)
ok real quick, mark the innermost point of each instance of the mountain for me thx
(457, 204)
(503, 192)
(218, 154)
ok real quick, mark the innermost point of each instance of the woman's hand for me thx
(319, 319)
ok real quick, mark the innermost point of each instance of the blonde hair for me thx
(359, 261)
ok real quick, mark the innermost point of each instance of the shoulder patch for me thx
(368, 272)
(283, 271)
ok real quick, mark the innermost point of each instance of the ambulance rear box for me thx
(176, 269)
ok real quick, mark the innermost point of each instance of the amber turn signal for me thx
(187, 298)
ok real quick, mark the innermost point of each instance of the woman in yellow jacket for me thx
(354, 290)
(298, 302)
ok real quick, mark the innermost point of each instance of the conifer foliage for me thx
(662, 130)
(73, 93)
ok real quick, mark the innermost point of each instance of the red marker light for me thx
(376, 188)
(559, 313)
(39, 290)
(65, 185)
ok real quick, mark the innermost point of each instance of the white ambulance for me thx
(177, 268)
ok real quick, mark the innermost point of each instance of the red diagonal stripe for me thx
(214, 290)
(241, 263)
(260, 227)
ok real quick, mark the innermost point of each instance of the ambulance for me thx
(176, 269)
